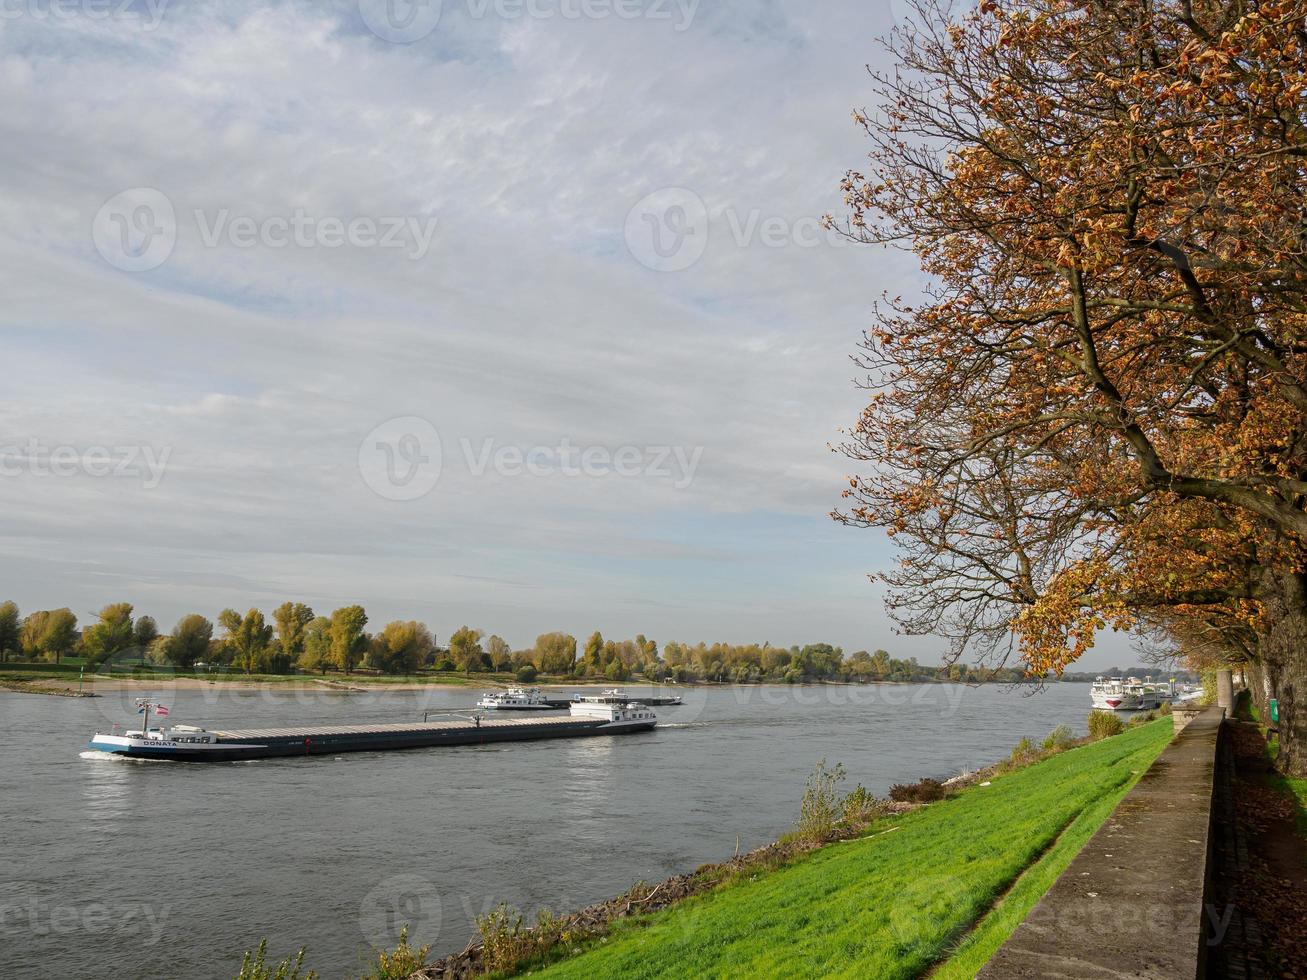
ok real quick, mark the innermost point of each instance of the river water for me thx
(116, 868)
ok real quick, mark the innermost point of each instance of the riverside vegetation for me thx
(296, 640)
(933, 878)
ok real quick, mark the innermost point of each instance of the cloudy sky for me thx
(514, 314)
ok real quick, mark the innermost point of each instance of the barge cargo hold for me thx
(187, 744)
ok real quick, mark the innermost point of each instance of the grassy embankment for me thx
(939, 888)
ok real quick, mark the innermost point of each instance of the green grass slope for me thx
(917, 890)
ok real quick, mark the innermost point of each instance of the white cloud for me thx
(527, 322)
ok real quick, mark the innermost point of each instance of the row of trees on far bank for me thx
(295, 638)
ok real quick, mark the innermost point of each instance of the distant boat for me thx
(616, 695)
(514, 699)
(1129, 694)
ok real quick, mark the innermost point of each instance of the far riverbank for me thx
(65, 682)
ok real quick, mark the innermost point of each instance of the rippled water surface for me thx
(114, 868)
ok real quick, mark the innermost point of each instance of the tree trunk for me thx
(1282, 671)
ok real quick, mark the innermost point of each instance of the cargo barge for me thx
(185, 743)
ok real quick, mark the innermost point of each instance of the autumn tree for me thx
(49, 633)
(348, 641)
(555, 653)
(401, 648)
(112, 635)
(592, 659)
(316, 654)
(1098, 410)
(499, 652)
(248, 637)
(144, 633)
(188, 643)
(465, 648)
(10, 627)
(291, 620)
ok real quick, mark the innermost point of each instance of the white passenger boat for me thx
(514, 699)
(630, 716)
(1129, 694)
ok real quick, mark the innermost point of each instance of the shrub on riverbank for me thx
(820, 809)
(923, 791)
(402, 963)
(254, 966)
(1058, 739)
(1104, 724)
(860, 807)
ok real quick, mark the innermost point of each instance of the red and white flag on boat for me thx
(160, 710)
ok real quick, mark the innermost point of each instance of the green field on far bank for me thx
(941, 887)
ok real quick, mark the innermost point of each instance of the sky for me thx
(510, 314)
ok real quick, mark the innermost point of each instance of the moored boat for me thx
(515, 699)
(1129, 694)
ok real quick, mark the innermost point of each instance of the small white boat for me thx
(628, 716)
(514, 699)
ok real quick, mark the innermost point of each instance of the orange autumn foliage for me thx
(1098, 414)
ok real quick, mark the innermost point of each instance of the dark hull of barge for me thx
(236, 746)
